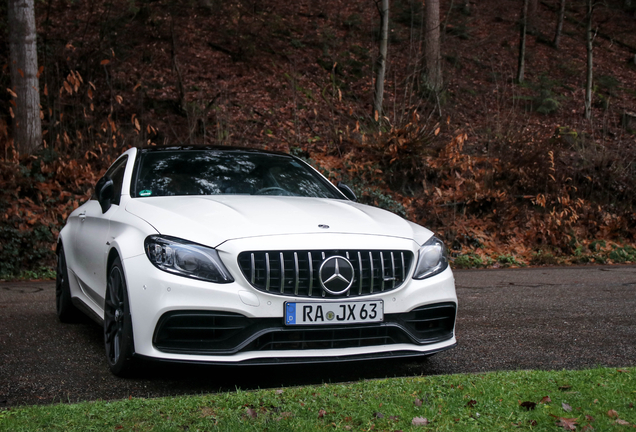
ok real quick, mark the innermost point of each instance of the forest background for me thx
(508, 172)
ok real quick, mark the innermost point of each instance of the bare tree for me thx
(522, 42)
(432, 56)
(27, 128)
(466, 7)
(531, 18)
(383, 9)
(559, 27)
(589, 39)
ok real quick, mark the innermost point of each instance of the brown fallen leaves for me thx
(613, 414)
(251, 412)
(528, 405)
(207, 412)
(569, 424)
(420, 421)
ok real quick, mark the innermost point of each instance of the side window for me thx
(116, 173)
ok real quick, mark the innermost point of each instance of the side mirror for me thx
(346, 190)
(104, 191)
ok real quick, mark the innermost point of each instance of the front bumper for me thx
(257, 361)
(221, 333)
(186, 320)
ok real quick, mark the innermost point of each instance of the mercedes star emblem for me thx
(336, 275)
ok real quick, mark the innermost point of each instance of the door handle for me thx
(82, 216)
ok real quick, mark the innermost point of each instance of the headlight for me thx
(186, 259)
(432, 259)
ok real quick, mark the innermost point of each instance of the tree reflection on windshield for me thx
(218, 172)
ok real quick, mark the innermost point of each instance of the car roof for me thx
(228, 149)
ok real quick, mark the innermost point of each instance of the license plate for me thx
(324, 313)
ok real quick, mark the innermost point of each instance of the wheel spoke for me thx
(116, 345)
(111, 330)
(112, 291)
(117, 287)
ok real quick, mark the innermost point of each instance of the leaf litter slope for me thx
(508, 174)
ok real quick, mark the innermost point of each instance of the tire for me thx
(118, 332)
(66, 310)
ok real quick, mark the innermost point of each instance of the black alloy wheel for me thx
(66, 311)
(118, 335)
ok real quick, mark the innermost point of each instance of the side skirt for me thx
(86, 310)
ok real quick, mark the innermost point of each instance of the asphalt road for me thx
(544, 318)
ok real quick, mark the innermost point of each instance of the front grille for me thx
(295, 273)
(223, 333)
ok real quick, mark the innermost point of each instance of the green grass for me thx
(482, 402)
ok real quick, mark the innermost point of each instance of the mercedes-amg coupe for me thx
(238, 256)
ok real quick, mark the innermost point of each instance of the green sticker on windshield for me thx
(145, 193)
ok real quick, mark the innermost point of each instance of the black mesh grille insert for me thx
(319, 338)
(187, 330)
(295, 273)
(429, 323)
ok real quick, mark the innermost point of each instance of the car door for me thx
(91, 238)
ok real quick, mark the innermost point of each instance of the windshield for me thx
(218, 172)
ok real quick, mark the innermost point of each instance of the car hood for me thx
(212, 220)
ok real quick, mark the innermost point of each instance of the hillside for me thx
(507, 174)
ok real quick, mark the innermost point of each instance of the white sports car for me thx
(236, 256)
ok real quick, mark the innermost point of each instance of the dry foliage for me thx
(508, 175)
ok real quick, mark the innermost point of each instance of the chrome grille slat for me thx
(297, 275)
(267, 272)
(372, 275)
(252, 269)
(282, 273)
(393, 268)
(311, 273)
(382, 273)
(349, 291)
(360, 276)
(323, 258)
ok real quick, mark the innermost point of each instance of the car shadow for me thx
(208, 378)
(157, 379)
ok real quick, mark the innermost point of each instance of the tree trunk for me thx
(466, 9)
(522, 42)
(432, 58)
(559, 27)
(27, 128)
(381, 62)
(590, 63)
(531, 17)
